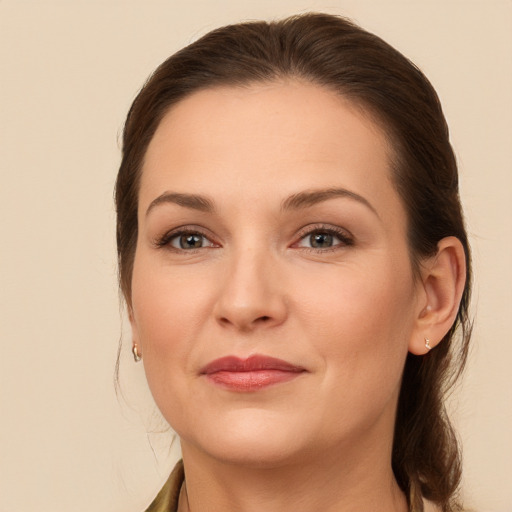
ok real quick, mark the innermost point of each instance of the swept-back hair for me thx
(337, 54)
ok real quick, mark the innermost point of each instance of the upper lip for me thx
(252, 363)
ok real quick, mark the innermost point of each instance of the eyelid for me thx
(342, 234)
(345, 237)
(164, 241)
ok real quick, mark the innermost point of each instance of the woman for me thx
(295, 265)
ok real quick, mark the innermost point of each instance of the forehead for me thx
(289, 135)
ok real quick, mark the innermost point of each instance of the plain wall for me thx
(68, 73)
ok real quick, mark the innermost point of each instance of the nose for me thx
(253, 294)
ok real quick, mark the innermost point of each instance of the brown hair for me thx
(333, 52)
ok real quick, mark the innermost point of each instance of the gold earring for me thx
(136, 356)
(427, 344)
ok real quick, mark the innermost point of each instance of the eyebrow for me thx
(301, 200)
(192, 201)
(309, 198)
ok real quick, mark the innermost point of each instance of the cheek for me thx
(360, 331)
(361, 299)
(169, 309)
(361, 326)
(166, 303)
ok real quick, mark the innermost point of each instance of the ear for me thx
(442, 279)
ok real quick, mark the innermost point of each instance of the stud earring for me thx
(136, 356)
(427, 344)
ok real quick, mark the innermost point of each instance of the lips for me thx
(251, 374)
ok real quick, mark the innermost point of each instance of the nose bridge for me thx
(251, 294)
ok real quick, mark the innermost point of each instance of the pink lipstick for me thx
(251, 374)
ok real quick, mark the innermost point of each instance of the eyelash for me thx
(167, 238)
(346, 240)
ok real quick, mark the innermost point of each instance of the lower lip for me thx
(251, 380)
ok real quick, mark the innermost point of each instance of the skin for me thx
(347, 312)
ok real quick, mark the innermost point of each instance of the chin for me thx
(250, 440)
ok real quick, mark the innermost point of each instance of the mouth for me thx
(251, 374)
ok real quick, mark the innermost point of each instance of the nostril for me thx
(246, 320)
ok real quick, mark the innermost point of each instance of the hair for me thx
(333, 52)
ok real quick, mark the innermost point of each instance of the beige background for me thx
(68, 72)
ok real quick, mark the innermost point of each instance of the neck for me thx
(331, 482)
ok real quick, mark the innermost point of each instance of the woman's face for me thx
(269, 226)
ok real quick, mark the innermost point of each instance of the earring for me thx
(136, 356)
(427, 344)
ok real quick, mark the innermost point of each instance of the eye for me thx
(188, 241)
(185, 240)
(321, 238)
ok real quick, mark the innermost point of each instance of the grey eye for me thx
(324, 239)
(189, 241)
(321, 240)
